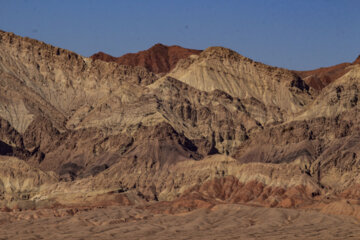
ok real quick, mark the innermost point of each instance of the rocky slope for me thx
(274, 94)
(217, 128)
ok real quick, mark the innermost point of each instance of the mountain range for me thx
(174, 129)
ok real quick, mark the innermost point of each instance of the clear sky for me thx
(295, 34)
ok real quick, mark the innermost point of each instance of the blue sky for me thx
(295, 34)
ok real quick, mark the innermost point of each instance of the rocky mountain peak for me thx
(158, 58)
(222, 53)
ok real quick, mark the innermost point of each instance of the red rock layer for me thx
(230, 190)
(321, 77)
(158, 59)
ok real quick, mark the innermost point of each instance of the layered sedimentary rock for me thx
(212, 127)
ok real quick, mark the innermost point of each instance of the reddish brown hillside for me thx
(158, 59)
(321, 77)
(357, 61)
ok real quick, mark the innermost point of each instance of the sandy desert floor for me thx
(221, 222)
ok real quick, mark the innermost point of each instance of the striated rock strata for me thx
(214, 127)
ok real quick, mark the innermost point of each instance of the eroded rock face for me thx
(278, 93)
(217, 128)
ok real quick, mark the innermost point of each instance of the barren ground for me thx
(221, 222)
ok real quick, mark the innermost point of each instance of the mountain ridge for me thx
(217, 128)
(158, 58)
(321, 77)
